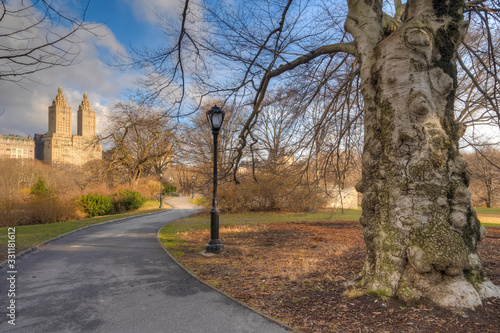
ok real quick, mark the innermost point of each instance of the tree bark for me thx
(420, 230)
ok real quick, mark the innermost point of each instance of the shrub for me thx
(95, 204)
(152, 189)
(169, 189)
(40, 189)
(52, 209)
(38, 210)
(128, 200)
(274, 192)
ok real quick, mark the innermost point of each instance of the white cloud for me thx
(24, 106)
(147, 10)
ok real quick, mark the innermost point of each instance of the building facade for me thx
(38, 138)
(15, 146)
(59, 145)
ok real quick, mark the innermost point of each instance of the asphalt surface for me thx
(116, 277)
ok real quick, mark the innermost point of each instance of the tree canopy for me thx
(38, 35)
(408, 78)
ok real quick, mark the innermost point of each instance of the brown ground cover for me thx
(299, 273)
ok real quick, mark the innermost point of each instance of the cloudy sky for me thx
(24, 105)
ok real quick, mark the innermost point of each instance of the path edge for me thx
(42, 244)
(276, 321)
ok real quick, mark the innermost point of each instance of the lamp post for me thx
(192, 187)
(161, 189)
(215, 118)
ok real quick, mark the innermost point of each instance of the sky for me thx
(120, 25)
(24, 106)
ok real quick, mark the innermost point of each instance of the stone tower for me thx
(59, 145)
(60, 115)
(86, 118)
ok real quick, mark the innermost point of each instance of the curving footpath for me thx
(116, 277)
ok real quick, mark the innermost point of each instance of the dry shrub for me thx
(52, 209)
(152, 189)
(40, 210)
(271, 193)
(148, 187)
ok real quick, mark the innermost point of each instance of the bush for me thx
(274, 192)
(40, 189)
(169, 189)
(38, 210)
(128, 200)
(152, 189)
(52, 209)
(95, 204)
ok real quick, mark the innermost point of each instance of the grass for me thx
(487, 211)
(152, 205)
(203, 219)
(490, 217)
(30, 235)
(201, 201)
(171, 241)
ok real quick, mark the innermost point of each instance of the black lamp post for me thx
(192, 187)
(215, 118)
(161, 189)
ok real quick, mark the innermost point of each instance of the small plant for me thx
(95, 204)
(40, 189)
(382, 294)
(128, 200)
(353, 293)
(169, 189)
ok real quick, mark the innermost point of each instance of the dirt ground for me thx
(298, 273)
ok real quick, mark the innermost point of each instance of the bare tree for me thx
(141, 137)
(277, 132)
(38, 35)
(92, 172)
(420, 230)
(196, 143)
(484, 167)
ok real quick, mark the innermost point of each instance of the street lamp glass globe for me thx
(215, 118)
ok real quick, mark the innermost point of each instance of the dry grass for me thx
(301, 274)
(256, 257)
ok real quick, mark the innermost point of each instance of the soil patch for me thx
(299, 273)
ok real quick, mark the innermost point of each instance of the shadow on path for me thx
(116, 278)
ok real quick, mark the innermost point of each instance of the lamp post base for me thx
(214, 246)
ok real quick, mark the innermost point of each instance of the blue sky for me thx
(24, 106)
(118, 16)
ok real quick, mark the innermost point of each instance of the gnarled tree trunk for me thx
(420, 230)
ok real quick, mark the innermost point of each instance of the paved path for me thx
(117, 278)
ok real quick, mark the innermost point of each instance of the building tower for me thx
(86, 118)
(60, 115)
(59, 145)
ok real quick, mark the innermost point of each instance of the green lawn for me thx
(487, 211)
(199, 220)
(487, 217)
(30, 235)
(171, 241)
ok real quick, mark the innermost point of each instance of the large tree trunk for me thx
(420, 230)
